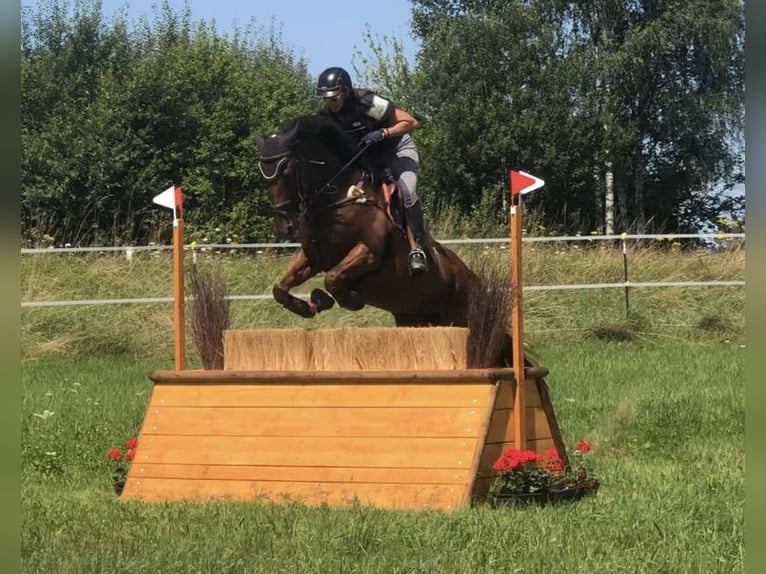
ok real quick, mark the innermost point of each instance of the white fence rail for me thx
(263, 297)
(489, 240)
(129, 250)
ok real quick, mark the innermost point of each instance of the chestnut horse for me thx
(323, 196)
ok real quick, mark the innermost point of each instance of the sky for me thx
(324, 32)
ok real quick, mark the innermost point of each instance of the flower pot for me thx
(543, 497)
(118, 486)
(507, 499)
(573, 492)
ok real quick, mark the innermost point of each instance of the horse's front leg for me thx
(359, 261)
(298, 272)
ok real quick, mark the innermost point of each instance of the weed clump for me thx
(718, 323)
(210, 315)
(488, 310)
(625, 330)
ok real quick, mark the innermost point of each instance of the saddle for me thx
(383, 187)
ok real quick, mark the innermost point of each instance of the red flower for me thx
(582, 446)
(114, 454)
(553, 462)
(524, 472)
(513, 459)
(131, 444)
(130, 454)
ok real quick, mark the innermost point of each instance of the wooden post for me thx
(517, 327)
(178, 294)
(172, 198)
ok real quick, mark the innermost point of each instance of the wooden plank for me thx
(301, 473)
(558, 439)
(480, 442)
(306, 451)
(320, 395)
(480, 489)
(501, 425)
(505, 396)
(336, 494)
(315, 421)
(442, 377)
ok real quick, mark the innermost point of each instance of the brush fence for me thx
(388, 417)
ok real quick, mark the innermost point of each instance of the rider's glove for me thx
(371, 138)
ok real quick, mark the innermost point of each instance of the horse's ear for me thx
(258, 139)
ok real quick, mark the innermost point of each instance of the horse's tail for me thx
(455, 261)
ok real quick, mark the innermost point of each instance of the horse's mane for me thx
(327, 131)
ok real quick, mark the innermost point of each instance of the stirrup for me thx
(417, 261)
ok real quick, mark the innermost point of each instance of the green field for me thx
(663, 410)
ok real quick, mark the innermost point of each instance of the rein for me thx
(304, 205)
(341, 170)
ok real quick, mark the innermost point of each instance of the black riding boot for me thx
(417, 261)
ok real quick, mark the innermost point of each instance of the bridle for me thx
(305, 201)
(281, 159)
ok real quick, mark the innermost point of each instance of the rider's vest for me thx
(363, 112)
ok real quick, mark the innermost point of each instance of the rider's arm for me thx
(401, 123)
(394, 121)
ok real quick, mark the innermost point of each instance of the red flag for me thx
(523, 183)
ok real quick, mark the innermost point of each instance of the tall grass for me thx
(145, 330)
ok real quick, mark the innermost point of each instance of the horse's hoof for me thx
(321, 300)
(351, 300)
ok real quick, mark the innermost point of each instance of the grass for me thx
(666, 423)
(663, 409)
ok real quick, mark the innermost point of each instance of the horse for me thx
(325, 196)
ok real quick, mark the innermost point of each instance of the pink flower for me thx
(131, 444)
(130, 454)
(114, 454)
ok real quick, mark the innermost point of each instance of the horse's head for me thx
(302, 165)
(277, 167)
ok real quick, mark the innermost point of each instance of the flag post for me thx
(178, 294)
(521, 183)
(173, 199)
(517, 328)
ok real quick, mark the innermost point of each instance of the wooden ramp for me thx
(390, 438)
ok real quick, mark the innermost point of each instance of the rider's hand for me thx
(371, 138)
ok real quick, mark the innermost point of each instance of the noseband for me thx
(281, 160)
(305, 201)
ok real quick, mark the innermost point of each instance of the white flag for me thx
(172, 199)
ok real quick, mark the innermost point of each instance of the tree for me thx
(647, 94)
(670, 96)
(112, 114)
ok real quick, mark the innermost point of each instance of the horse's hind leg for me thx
(357, 262)
(298, 272)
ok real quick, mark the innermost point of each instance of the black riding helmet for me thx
(332, 82)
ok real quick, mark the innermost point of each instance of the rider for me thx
(373, 120)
